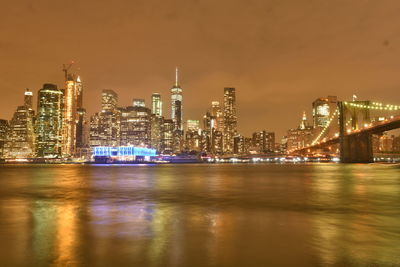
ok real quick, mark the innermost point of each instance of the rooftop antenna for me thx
(176, 77)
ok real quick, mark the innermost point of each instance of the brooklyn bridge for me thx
(349, 131)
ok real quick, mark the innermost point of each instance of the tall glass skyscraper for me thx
(20, 142)
(73, 92)
(49, 122)
(230, 119)
(156, 104)
(176, 103)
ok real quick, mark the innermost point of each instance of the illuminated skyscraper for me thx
(156, 132)
(109, 100)
(138, 102)
(157, 122)
(168, 137)
(193, 125)
(192, 135)
(21, 136)
(81, 123)
(301, 136)
(263, 142)
(230, 119)
(3, 136)
(135, 125)
(323, 109)
(176, 103)
(156, 104)
(70, 116)
(28, 97)
(49, 122)
(105, 125)
(217, 113)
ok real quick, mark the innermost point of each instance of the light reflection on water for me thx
(200, 215)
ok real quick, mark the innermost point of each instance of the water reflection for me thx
(199, 215)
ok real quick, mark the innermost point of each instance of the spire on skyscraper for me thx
(176, 77)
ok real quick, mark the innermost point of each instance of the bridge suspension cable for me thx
(326, 127)
(375, 106)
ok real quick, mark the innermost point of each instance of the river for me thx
(200, 215)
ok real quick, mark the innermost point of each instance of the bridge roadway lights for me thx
(356, 148)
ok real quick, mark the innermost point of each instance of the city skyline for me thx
(166, 105)
(278, 55)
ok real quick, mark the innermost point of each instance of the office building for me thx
(176, 104)
(21, 135)
(156, 104)
(135, 126)
(3, 136)
(230, 119)
(168, 137)
(49, 122)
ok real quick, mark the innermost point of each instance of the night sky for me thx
(279, 55)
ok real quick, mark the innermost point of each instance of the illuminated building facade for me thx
(70, 117)
(301, 136)
(241, 144)
(323, 108)
(230, 119)
(49, 122)
(217, 113)
(109, 100)
(138, 102)
(105, 125)
(156, 131)
(81, 123)
(135, 126)
(156, 104)
(263, 142)
(176, 104)
(168, 137)
(21, 135)
(192, 135)
(193, 125)
(3, 136)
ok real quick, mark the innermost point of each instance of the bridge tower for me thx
(355, 148)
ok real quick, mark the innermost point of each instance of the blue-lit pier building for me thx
(108, 154)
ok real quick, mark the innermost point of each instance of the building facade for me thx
(177, 104)
(49, 122)
(230, 119)
(21, 135)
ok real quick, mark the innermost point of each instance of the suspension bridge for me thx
(350, 129)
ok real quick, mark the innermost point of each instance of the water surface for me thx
(200, 215)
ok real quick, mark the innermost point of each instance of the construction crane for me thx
(66, 67)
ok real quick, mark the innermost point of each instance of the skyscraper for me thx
(263, 142)
(21, 136)
(157, 122)
(230, 119)
(3, 136)
(135, 125)
(138, 102)
(72, 91)
(176, 103)
(109, 100)
(81, 123)
(156, 104)
(156, 131)
(28, 96)
(217, 113)
(168, 137)
(49, 122)
(105, 125)
(193, 135)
